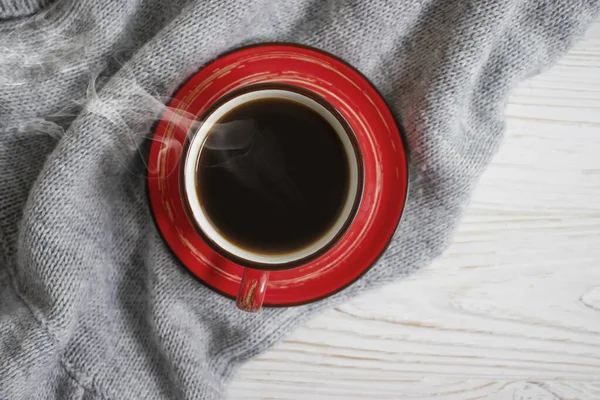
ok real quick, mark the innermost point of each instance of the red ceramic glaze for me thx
(253, 289)
(384, 159)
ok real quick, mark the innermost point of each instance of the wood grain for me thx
(512, 311)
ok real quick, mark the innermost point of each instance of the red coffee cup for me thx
(359, 236)
(258, 264)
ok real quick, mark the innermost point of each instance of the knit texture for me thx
(92, 303)
(20, 8)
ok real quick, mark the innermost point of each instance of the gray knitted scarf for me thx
(92, 303)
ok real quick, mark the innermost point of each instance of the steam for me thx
(56, 51)
(242, 148)
(254, 157)
(235, 135)
(42, 126)
(132, 114)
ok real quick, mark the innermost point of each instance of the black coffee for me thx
(273, 176)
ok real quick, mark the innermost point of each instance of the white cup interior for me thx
(193, 198)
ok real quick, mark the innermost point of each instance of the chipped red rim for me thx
(379, 137)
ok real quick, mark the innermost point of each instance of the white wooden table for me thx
(512, 311)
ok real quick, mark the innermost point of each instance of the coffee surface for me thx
(273, 176)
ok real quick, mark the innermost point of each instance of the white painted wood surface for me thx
(512, 311)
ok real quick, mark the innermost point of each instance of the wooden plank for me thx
(512, 310)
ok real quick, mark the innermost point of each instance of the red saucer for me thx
(384, 158)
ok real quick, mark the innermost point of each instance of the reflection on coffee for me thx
(273, 176)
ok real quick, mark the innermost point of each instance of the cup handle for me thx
(252, 290)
